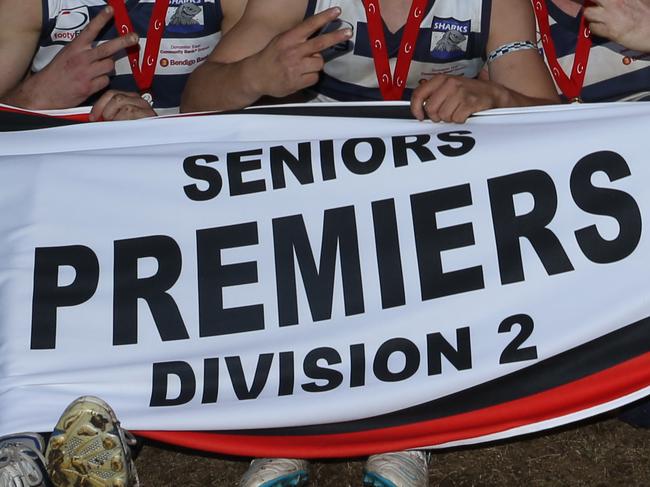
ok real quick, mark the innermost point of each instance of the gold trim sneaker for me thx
(88, 448)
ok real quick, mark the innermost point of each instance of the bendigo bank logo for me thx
(69, 24)
(165, 62)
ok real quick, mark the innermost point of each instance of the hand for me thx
(79, 70)
(454, 98)
(292, 60)
(626, 22)
(120, 105)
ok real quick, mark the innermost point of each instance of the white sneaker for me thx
(398, 469)
(21, 461)
(276, 472)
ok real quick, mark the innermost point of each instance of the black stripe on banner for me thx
(318, 110)
(15, 121)
(577, 363)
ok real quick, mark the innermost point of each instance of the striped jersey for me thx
(452, 40)
(192, 30)
(613, 72)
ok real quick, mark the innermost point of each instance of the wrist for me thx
(253, 77)
(29, 95)
(502, 96)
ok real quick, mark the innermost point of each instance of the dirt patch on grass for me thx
(605, 453)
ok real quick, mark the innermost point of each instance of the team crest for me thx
(449, 38)
(185, 16)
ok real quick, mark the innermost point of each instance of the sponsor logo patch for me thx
(176, 55)
(69, 24)
(185, 16)
(449, 38)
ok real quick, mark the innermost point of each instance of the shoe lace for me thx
(131, 442)
(129, 438)
(274, 467)
(18, 466)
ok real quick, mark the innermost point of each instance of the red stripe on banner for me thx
(599, 388)
(78, 117)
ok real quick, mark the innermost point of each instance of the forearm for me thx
(28, 94)
(509, 98)
(18, 42)
(222, 86)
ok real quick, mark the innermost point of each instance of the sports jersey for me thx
(192, 30)
(451, 40)
(613, 72)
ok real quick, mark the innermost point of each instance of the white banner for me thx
(359, 284)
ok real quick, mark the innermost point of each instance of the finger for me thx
(99, 83)
(313, 24)
(445, 94)
(308, 80)
(422, 93)
(595, 14)
(102, 67)
(417, 107)
(323, 41)
(94, 27)
(119, 101)
(461, 114)
(100, 105)
(430, 112)
(132, 112)
(599, 29)
(448, 107)
(312, 64)
(107, 49)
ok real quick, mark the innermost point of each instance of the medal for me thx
(571, 86)
(144, 74)
(392, 85)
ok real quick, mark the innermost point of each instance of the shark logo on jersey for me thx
(185, 16)
(449, 38)
(69, 24)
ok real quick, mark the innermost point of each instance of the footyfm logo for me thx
(69, 24)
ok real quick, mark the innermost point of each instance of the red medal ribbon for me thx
(143, 75)
(570, 86)
(392, 86)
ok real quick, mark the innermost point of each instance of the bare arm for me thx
(78, 71)
(517, 78)
(270, 51)
(626, 22)
(232, 12)
(522, 73)
(18, 40)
